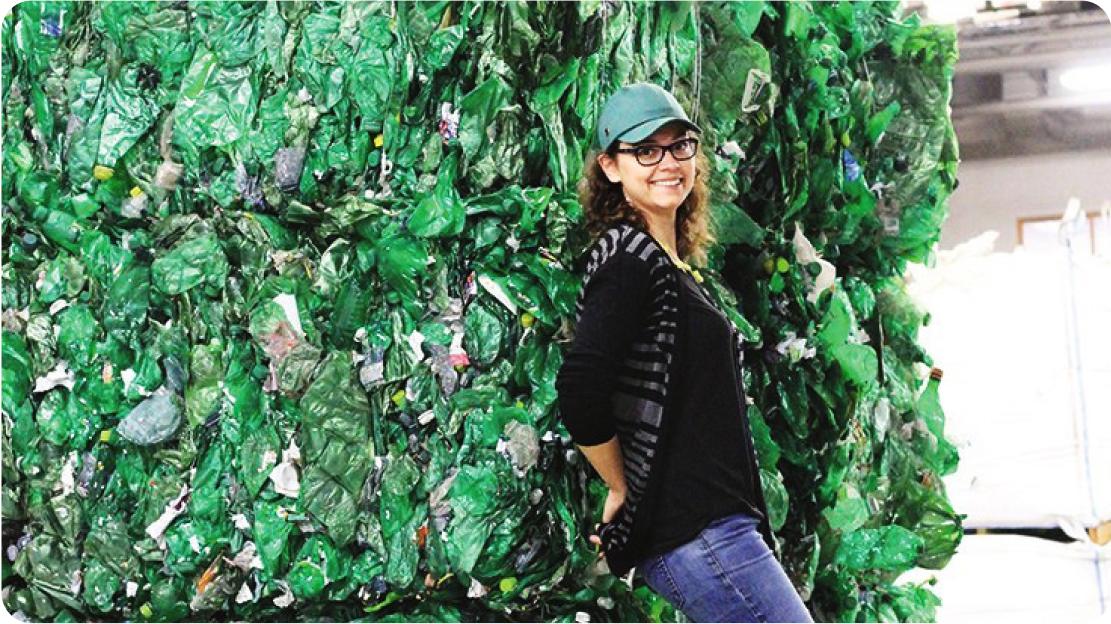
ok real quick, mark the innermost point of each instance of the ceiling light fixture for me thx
(951, 11)
(1090, 79)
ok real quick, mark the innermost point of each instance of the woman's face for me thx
(658, 188)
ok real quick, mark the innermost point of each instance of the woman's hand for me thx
(606, 459)
(615, 500)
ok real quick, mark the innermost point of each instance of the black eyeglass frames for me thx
(648, 155)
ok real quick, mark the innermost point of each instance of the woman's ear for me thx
(609, 167)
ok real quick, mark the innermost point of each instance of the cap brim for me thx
(644, 130)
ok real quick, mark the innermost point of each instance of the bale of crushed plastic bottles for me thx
(286, 287)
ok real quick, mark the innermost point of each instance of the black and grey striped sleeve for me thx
(613, 304)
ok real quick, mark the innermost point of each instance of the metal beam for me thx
(1035, 61)
(1048, 103)
(1066, 35)
(1034, 28)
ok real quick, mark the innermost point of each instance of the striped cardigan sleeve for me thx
(613, 303)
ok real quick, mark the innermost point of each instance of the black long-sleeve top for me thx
(614, 305)
(705, 473)
(629, 303)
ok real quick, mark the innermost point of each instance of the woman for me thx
(650, 389)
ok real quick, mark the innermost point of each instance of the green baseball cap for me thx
(635, 111)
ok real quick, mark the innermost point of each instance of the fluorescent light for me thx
(1091, 79)
(991, 17)
(951, 11)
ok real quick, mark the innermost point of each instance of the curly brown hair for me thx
(604, 205)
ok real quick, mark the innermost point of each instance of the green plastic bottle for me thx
(60, 227)
(929, 403)
(929, 410)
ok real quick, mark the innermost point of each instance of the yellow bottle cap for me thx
(102, 173)
(398, 397)
(136, 191)
(527, 320)
(378, 141)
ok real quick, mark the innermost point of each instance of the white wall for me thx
(1023, 339)
(993, 194)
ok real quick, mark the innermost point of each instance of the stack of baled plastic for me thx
(286, 287)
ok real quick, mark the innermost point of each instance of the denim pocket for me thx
(658, 576)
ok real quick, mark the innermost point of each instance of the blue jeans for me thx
(726, 574)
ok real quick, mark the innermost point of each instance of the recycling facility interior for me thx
(286, 285)
(1020, 308)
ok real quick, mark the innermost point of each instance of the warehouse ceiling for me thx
(1009, 98)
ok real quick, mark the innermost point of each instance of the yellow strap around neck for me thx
(681, 264)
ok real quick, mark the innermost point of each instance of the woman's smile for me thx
(670, 183)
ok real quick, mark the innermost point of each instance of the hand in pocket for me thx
(614, 502)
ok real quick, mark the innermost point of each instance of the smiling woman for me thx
(659, 177)
(651, 387)
(655, 174)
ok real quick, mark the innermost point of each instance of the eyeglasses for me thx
(648, 155)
